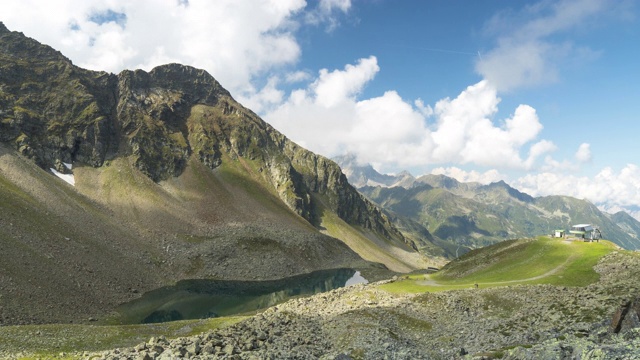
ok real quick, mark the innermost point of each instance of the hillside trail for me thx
(430, 282)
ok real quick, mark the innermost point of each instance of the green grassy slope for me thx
(63, 249)
(220, 218)
(372, 247)
(532, 261)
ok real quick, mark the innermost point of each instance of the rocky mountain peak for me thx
(17, 46)
(197, 84)
(54, 113)
(439, 181)
(365, 175)
(510, 191)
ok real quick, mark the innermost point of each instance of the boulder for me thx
(627, 317)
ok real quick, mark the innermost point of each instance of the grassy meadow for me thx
(532, 261)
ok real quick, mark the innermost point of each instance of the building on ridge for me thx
(586, 231)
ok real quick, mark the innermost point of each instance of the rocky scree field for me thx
(550, 317)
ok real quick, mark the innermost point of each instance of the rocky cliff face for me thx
(50, 110)
(54, 113)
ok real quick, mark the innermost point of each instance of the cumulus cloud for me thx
(332, 88)
(540, 148)
(608, 187)
(235, 41)
(328, 6)
(326, 13)
(466, 134)
(265, 98)
(297, 76)
(529, 47)
(328, 118)
(583, 154)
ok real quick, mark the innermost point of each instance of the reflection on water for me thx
(357, 278)
(195, 299)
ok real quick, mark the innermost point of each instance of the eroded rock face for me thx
(51, 110)
(54, 113)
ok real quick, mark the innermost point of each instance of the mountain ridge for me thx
(148, 123)
(190, 183)
(475, 215)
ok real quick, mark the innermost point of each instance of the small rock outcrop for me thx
(626, 318)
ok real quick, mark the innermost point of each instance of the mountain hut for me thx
(586, 231)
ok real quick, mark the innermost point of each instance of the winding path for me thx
(429, 282)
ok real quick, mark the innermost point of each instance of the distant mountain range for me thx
(365, 175)
(473, 214)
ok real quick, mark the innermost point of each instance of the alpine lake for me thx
(201, 298)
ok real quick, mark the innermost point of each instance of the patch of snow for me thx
(68, 165)
(66, 177)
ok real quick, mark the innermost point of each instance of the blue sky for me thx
(429, 50)
(543, 94)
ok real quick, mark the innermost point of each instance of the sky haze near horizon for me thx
(542, 94)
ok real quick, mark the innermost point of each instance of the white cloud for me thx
(426, 110)
(528, 64)
(326, 13)
(540, 148)
(486, 177)
(267, 97)
(235, 41)
(583, 154)
(329, 5)
(465, 132)
(297, 76)
(327, 117)
(529, 50)
(388, 130)
(607, 187)
(337, 86)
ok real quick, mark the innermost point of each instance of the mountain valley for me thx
(118, 188)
